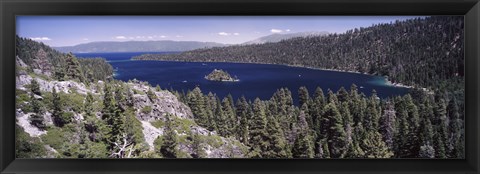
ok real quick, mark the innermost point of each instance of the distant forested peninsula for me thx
(423, 52)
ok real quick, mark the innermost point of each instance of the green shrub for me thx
(158, 123)
(72, 101)
(135, 91)
(147, 109)
(67, 117)
(56, 137)
(21, 98)
(183, 125)
(26, 146)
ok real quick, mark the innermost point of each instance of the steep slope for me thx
(70, 117)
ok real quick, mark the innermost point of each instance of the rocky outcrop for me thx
(150, 133)
(46, 85)
(164, 102)
(23, 121)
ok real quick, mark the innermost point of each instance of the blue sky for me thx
(73, 30)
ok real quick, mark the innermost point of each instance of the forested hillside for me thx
(423, 52)
(72, 108)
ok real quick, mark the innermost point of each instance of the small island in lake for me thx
(220, 75)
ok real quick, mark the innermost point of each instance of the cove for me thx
(256, 80)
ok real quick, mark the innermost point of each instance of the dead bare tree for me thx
(123, 147)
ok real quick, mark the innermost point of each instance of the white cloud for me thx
(150, 37)
(120, 37)
(163, 36)
(178, 36)
(40, 38)
(223, 34)
(287, 30)
(236, 34)
(276, 30)
(131, 38)
(85, 39)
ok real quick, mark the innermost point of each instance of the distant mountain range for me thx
(168, 45)
(280, 37)
(138, 46)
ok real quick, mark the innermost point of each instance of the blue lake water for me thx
(256, 80)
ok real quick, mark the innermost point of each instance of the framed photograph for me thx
(239, 86)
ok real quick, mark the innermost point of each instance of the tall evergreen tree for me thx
(242, 114)
(73, 70)
(276, 140)
(375, 147)
(303, 96)
(170, 142)
(221, 119)
(387, 124)
(303, 146)
(197, 105)
(230, 118)
(336, 135)
(455, 130)
(442, 128)
(257, 129)
(57, 113)
(36, 119)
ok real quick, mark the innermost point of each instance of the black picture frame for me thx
(11, 8)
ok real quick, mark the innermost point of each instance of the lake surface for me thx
(256, 80)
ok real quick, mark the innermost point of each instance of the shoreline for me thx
(387, 81)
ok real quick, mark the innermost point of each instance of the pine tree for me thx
(258, 133)
(441, 133)
(304, 108)
(211, 105)
(317, 109)
(36, 119)
(168, 148)
(336, 135)
(303, 146)
(276, 139)
(230, 118)
(242, 113)
(35, 87)
(59, 73)
(331, 97)
(372, 116)
(387, 124)
(91, 123)
(57, 112)
(343, 95)
(303, 96)
(113, 117)
(455, 128)
(427, 151)
(375, 147)
(73, 70)
(197, 105)
(221, 119)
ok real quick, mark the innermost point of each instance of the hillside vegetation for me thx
(423, 52)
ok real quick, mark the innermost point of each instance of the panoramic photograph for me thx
(284, 87)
